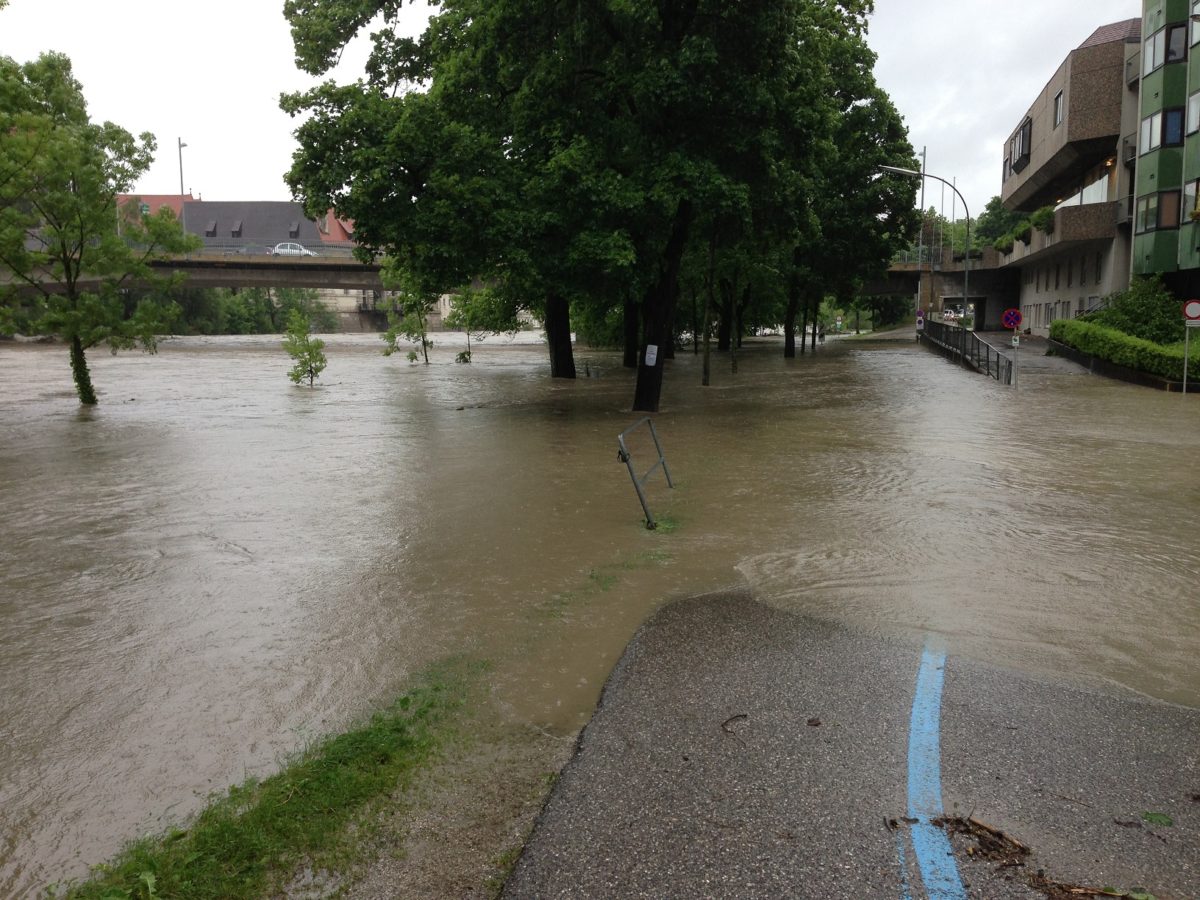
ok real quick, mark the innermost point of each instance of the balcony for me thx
(1129, 150)
(1133, 69)
(1072, 224)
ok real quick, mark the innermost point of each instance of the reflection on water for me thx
(214, 564)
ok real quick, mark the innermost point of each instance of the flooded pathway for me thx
(214, 565)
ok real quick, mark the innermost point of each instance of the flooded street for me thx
(214, 565)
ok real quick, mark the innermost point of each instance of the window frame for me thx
(1153, 129)
(1058, 109)
(1022, 142)
(1152, 205)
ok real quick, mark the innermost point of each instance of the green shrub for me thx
(1145, 309)
(1120, 348)
(1043, 220)
(1005, 243)
(1023, 232)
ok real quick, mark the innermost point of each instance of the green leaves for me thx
(1155, 818)
(63, 234)
(304, 349)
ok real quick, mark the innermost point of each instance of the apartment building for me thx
(1166, 233)
(1073, 158)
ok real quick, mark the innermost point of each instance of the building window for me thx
(1058, 109)
(1157, 211)
(1190, 191)
(1165, 45)
(1070, 273)
(1021, 143)
(1007, 169)
(1172, 125)
(1162, 129)
(1176, 43)
(1195, 23)
(1082, 271)
(1193, 113)
(1099, 267)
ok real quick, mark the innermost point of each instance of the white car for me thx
(292, 249)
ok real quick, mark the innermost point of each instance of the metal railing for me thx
(239, 247)
(965, 346)
(624, 456)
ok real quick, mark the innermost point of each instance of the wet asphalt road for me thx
(741, 751)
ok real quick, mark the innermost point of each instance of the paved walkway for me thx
(1032, 355)
(739, 751)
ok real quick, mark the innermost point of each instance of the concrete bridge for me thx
(940, 275)
(333, 266)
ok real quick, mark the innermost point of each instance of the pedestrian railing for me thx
(639, 483)
(965, 346)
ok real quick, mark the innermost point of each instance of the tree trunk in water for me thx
(816, 312)
(558, 336)
(793, 308)
(659, 299)
(803, 326)
(79, 370)
(725, 317)
(789, 328)
(695, 324)
(630, 359)
(708, 309)
(740, 321)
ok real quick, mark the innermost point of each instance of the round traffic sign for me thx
(1011, 318)
(1191, 309)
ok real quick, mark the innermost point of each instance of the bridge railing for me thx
(236, 247)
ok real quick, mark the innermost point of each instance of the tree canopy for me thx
(568, 155)
(72, 252)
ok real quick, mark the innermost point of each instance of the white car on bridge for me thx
(291, 249)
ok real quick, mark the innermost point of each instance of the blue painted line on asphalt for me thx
(902, 854)
(935, 858)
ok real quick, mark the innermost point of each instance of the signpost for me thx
(1191, 318)
(1012, 318)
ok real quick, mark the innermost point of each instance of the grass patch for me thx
(312, 813)
(602, 579)
(666, 524)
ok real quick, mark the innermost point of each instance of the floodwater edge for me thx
(319, 819)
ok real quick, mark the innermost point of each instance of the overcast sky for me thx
(962, 75)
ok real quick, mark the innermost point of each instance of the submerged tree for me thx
(307, 351)
(73, 252)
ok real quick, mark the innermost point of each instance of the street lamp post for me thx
(913, 173)
(182, 223)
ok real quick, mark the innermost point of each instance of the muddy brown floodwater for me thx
(214, 565)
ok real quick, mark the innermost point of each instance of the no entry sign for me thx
(1011, 318)
(1191, 310)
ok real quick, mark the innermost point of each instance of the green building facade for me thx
(1166, 218)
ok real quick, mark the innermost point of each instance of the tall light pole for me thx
(182, 223)
(913, 173)
(921, 242)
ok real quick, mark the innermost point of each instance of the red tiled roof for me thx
(1127, 32)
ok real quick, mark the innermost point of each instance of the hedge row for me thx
(1120, 348)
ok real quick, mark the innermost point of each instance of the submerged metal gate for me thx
(638, 483)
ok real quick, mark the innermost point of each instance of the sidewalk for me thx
(1031, 355)
(739, 751)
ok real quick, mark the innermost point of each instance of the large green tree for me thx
(71, 252)
(567, 153)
